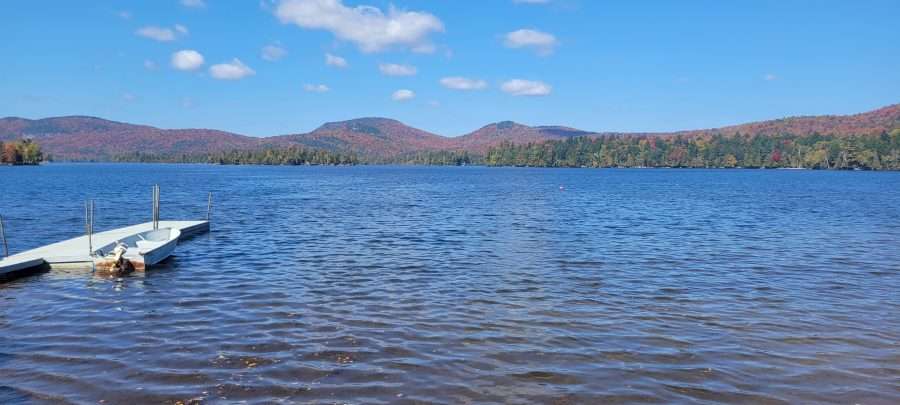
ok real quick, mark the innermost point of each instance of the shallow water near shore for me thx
(462, 285)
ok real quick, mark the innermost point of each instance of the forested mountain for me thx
(386, 140)
(90, 138)
(510, 132)
(868, 123)
(869, 141)
(376, 138)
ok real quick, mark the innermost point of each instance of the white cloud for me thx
(519, 87)
(316, 88)
(542, 42)
(162, 34)
(157, 33)
(463, 83)
(193, 3)
(273, 53)
(403, 95)
(371, 29)
(150, 65)
(233, 70)
(393, 69)
(187, 59)
(128, 97)
(769, 77)
(124, 14)
(336, 61)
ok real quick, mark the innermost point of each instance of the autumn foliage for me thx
(22, 152)
(381, 140)
(865, 152)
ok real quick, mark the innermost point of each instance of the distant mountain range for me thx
(90, 138)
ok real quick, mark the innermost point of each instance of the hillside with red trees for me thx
(379, 139)
(374, 137)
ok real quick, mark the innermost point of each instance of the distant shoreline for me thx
(79, 162)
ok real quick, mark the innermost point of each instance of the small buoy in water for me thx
(562, 188)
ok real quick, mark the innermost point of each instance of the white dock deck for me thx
(74, 252)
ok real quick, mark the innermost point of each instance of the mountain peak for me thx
(373, 136)
(505, 125)
(367, 120)
(497, 133)
(368, 125)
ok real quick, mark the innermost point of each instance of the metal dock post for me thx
(89, 224)
(3, 237)
(155, 206)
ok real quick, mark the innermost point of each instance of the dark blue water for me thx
(463, 285)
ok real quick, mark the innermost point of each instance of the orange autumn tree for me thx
(10, 154)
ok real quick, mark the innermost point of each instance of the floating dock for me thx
(75, 253)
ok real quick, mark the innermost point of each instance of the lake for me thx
(373, 284)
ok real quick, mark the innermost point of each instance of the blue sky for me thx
(447, 66)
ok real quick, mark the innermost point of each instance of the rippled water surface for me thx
(463, 285)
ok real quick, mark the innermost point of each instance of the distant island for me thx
(20, 153)
(867, 141)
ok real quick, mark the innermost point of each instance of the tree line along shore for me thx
(864, 152)
(816, 151)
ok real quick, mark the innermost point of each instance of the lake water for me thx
(462, 285)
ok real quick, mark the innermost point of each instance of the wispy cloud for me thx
(769, 77)
(463, 83)
(393, 69)
(187, 59)
(543, 43)
(371, 29)
(273, 53)
(316, 88)
(403, 95)
(520, 87)
(233, 70)
(336, 61)
(150, 65)
(162, 34)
